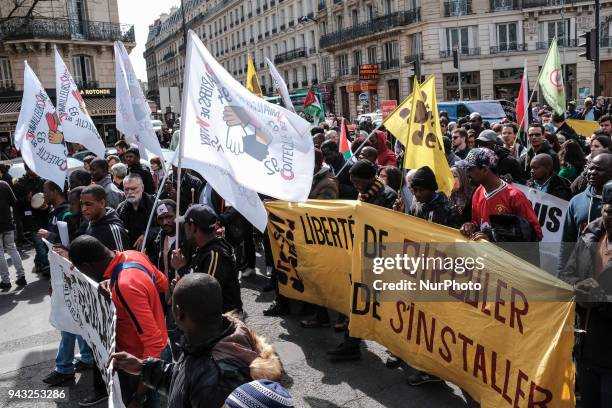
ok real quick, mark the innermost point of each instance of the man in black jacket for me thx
(7, 239)
(132, 160)
(340, 168)
(211, 255)
(32, 219)
(544, 179)
(539, 144)
(212, 365)
(431, 205)
(103, 223)
(60, 211)
(589, 270)
(134, 212)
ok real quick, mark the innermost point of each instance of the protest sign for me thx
(72, 112)
(263, 146)
(39, 134)
(77, 307)
(477, 339)
(551, 212)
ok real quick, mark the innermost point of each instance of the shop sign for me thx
(368, 72)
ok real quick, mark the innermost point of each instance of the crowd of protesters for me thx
(169, 341)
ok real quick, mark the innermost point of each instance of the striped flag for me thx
(522, 102)
(345, 147)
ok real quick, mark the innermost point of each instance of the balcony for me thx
(547, 3)
(374, 26)
(25, 28)
(290, 55)
(312, 50)
(507, 48)
(7, 86)
(390, 64)
(457, 8)
(409, 59)
(343, 72)
(467, 52)
(563, 43)
(503, 5)
(322, 5)
(168, 55)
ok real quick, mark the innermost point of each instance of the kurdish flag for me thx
(345, 147)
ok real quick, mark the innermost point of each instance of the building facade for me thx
(83, 32)
(330, 42)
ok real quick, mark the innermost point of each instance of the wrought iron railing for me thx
(390, 64)
(290, 55)
(457, 7)
(464, 51)
(374, 26)
(543, 45)
(547, 3)
(503, 5)
(506, 48)
(22, 28)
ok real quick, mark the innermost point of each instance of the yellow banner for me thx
(252, 82)
(584, 128)
(508, 344)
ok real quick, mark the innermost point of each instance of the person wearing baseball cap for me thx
(508, 168)
(211, 254)
(589, 270)
(493, 196)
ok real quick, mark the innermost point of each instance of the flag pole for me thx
(359, 148)
(159, 190)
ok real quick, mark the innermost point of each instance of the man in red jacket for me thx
(135, 286)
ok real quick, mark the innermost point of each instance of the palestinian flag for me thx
(312, 106)
(345, 147)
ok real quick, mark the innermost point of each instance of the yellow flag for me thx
(398, 120)
(583, 127)
(424, 143)
(252, 83)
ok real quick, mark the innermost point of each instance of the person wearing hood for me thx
(508, 167)
(134, 212)
(102, 222)
(431, 205)
(386, 157)
(132, 160)
(589, 271)
(220, 352)
(101, 176)
(586, 206)
(211, 255)
(537, 139)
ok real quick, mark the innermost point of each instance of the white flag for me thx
(72, 112)
(263, 146)
(281, 86)
(39, 133)
(133, 112)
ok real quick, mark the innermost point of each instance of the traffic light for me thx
(590, 45)
(456, 59)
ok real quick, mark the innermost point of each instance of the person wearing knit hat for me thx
(431, 205)
(259, 394)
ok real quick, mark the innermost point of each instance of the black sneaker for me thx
(21, 281)
(344, 353)
(277, 309)
(420, 378)
(314, 324)
(4, 286)
(80, 366)
(56, 378)
(92, 400)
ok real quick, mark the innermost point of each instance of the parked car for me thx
(18, 166)
(490, 110)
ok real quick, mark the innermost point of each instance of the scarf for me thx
(373, 190)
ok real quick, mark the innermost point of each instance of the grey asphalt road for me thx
(28, 344)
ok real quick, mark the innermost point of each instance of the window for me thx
(457, 37)
(314, 72)
(82, 69)
(286, 75)
(282, 17)
(388, 6)
(391, 50)
(343, 68)
(357, 59)
(339, 22)
(370, 9)
(302, 40)
(506, 36)
(355, 17)
(295, 77)
(322, 28)
(300, 11)
(274, 21)
(560, 29)
(304, 74)
(326, 68)
(372, 57)
(291, 16)
(415, 43)
(293, 45)
(6, 75)
(313, 41)
(458, 7)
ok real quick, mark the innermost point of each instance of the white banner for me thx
(281, 86)
(39, 133)
(72, 112)
(263, 146)
(78, 308)
(133, 112)
(551, 212)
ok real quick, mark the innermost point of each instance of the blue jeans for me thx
(64, 361)
(40, 260)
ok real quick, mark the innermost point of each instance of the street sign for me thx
(363, 97)
(388, 106)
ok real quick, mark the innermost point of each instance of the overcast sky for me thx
(141, 14)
